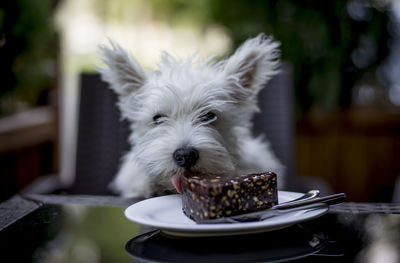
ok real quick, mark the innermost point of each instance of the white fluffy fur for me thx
(182, 91)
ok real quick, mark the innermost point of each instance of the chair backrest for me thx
(102, 136)
(277, 118)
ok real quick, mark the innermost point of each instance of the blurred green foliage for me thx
(28, 48)
(318, 38)
(331, 44)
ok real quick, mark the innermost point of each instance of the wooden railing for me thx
(28, 148)
(357, 152)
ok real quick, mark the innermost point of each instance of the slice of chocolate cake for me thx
(210, 196)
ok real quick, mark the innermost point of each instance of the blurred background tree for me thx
(332, 45)
(28, 51)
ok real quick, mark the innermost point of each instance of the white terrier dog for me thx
(191, 115)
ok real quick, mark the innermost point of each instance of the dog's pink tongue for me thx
(176, 181)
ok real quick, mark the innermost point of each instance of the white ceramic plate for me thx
(165, 213)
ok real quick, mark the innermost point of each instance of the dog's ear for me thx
(252, 65)
(124, 74)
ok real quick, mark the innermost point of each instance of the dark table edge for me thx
(14, 209)
(21, 205)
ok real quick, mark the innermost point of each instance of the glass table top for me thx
(101, 233)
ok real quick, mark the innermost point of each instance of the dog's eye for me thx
(158, 119)
(208, 117)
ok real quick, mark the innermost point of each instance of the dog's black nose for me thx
(186, 157)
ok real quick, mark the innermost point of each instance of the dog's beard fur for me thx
(204, 105)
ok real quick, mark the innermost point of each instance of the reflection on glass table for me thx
(70, 233)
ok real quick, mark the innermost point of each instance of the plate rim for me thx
(187, 230)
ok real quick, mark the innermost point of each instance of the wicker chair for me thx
(102, 136)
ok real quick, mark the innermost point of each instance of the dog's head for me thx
(190, 114)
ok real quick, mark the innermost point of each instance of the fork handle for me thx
(329, 200)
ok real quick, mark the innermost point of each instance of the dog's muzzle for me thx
(186, 157)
